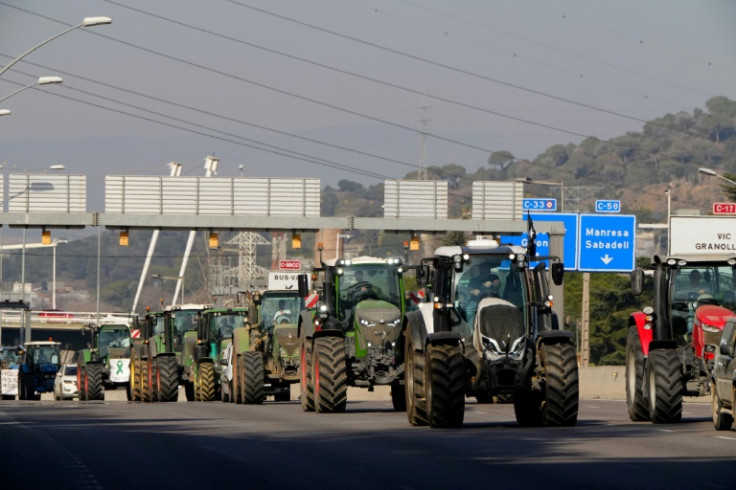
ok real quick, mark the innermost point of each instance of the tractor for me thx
(39, 363)
(154, 370)
(105, 362)
(214, 334)
(671, 345)
(183, 321)
(264, 356)
(354, 335)
(487, 329)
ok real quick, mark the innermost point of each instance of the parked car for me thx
(65, 385)
(723, 386)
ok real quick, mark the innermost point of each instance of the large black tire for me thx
(135, 380)
(398, 397)
(147, 372)
(636, 402)
(330, 375)
(414, 382)
(237, 396)
(721, 419)
(81, 383)
(528, 406)
(241, 378)
(206, 381)
(561, 390)
(93, 376)
(254, 391)
(664, 378)
(27, 391)
(167, 379)
(445, 388)
(306, 384)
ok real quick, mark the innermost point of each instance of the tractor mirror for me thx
(558, 272)
(637, 281)
(727, 350)
(303, 282)
(422, 276)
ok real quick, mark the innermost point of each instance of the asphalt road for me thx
(116, 445)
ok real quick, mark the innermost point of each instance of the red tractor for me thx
(671, 345)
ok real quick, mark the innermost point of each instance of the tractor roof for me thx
(238, 309)
(188, 306)
(479, 247)
(363, 261)
(41, 342)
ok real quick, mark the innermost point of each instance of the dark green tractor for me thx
(214, 334)
(105, 362)
(354, 337)
(154, 368)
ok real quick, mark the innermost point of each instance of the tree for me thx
(500, 159)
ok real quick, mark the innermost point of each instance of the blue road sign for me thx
(607, 206)
(539, 204)
(570, 241)
(607, 243)
(542, 243)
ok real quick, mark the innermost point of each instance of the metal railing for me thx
(14, 317)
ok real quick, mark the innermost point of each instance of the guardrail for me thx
(13, 317)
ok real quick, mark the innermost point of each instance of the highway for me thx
(118, 445)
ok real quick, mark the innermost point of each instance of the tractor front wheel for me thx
(307, 386)
(445, 389)
(414, 382)
(93, 376)
(329, 372)
(561, 390)
(664, 377)
(254, 391)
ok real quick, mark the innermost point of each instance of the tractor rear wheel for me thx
(445, 389)
(253, 391)
(414, 382)
(721, 420)
(561, 390)
(307, 386)
(146, 373)
(135, 378)
(95, 390)
(664, 377)
(167, 379)
(636, 402)
(330, 375)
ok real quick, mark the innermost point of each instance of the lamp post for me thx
(40, 81)
(559, 183)
(86, 22)
(179, 279)
(4, 112)
(713, 173)
(337, 244)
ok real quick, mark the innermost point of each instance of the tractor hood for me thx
(707, 329)
(287, 337)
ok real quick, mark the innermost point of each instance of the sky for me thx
(343, 89)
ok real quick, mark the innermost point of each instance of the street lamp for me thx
(179, 279)
(4, 112)
(560, 183)
(337, 244)
(86, 22)
(713, 173)
(40, 81)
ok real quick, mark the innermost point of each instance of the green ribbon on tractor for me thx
(120, 367)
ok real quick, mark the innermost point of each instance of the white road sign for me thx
(704, 235)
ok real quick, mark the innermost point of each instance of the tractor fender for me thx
(306, 324)
(645, 330)
(241, 340)
(426, 310)
(331, 332)
(554, 337)
(417, 330)
(444, 338)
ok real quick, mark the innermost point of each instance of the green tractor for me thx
(105, 362)
(264, 357)
(214, 334)
(183, 321)
(355, 335)
(154, 370)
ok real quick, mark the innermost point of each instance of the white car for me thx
(65, 385)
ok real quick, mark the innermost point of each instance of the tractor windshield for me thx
(224, 323)
(276, 310)
(46, 354)
(9, 357)
(696, 285)
(184, 320)
(487, 277)
(379, 282)
(117, 337)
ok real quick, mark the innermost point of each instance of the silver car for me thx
(65, 385)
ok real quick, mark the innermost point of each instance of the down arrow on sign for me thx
(606, 259)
